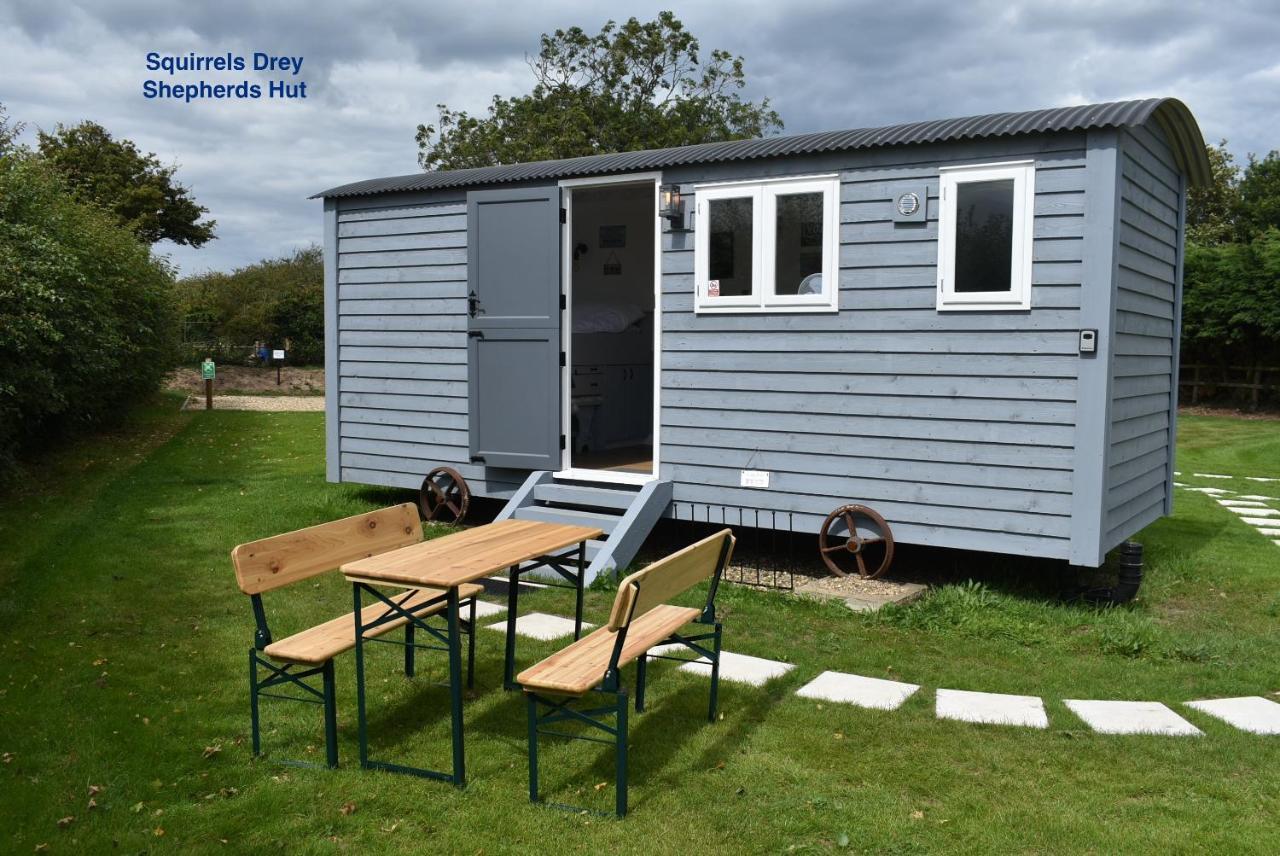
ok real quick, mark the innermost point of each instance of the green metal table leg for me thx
(455, 689)
(253, 703)
(408, 650)
(513, 597)
(330, 716)
(582, 575)
(471, 647)
(642, 669)
(362, 725)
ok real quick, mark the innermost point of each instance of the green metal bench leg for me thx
(408, 650)
(621, 785)
(642, 669)
(362, 726)
(533, 747)
(471, 646)
(455, 690)
(255, 732)
(330, 716)
(715, 676)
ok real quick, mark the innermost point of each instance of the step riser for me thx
(585, 497)
(607, 522)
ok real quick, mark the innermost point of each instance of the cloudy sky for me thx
(374, 70)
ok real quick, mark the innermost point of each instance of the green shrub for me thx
(86, 320)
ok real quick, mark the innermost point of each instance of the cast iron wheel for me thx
(444, 497)
(872, 553)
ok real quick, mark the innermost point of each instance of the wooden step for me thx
(573, 517)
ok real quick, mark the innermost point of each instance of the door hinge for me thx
(475, 334)
(562, 442)
(477, 459)
(562, 359)
(564, 215)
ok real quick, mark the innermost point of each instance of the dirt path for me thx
(232, 380)
(278, 403)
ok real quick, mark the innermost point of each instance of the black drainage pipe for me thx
(1128, 581)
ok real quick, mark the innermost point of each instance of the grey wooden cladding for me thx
(1148, 246)
(400, 341)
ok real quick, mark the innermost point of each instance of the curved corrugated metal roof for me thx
(1171, 114)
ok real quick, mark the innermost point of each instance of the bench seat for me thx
(325, 641)
(575, 670)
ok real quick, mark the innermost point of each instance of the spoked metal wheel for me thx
(855, 539)
(444, 497)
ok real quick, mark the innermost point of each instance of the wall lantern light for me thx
(671, 206)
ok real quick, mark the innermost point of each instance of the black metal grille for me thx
(765, 554)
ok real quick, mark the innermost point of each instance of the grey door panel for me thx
(513, 344)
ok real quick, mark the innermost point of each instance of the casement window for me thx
(985, 235)
(767, 246)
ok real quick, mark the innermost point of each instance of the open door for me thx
(513, 327)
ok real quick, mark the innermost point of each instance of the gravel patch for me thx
(275, 403)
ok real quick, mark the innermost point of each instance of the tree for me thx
(631, 86)
(9, 131)
(1258, 200)
(137, 188)
(1211, 210)
(1231, 306)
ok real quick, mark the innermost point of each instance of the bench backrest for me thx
(670, 576)
(270, 563)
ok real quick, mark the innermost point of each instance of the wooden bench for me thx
(640, 620)
(279, 561)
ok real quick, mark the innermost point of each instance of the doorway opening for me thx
(610, 367)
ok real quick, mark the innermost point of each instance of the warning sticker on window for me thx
(713, 288)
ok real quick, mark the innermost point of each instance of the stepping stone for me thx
(1211, 476)
(539, 625)
(1130, 717)
(1242, 503)
(1249, 713)
(741, 668)
(1256, 512)
(1261, 479)
(1212, 491)
(1178, 484)
(1256, 496)
(484, 609)
(858, 690)
(991, 708)
(1276, 542)
(1261, 521)
(1269, 532)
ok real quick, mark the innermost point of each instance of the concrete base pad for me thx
(862, 595)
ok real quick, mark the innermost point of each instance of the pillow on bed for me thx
(605, 317)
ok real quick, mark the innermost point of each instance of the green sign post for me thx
(207, 369)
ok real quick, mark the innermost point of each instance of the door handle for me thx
(473, 304)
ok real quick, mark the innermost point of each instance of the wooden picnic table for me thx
(449, 562)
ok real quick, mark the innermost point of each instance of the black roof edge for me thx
(1173, 117)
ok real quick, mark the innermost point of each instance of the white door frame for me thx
(567, 186)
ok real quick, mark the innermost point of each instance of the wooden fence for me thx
(1255, 384)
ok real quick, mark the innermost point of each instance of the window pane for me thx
(798, 250)
(729, 243)
(984, 236)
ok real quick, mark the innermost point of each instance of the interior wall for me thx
(628, 206)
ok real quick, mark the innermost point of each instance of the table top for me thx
(465, 557)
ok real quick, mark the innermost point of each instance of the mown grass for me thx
(124, 667)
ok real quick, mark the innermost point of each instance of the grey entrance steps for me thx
(626, 513)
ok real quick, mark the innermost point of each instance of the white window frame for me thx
(764, 204)
(1018, 297)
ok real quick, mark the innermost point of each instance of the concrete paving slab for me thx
(1261, 521)
(991, 708)
(742, 668)
(484, 609)
(1130, 717)
(858, 690)
(1248, 713)
(1256, 512)
(1211, 476)
(1242, 503)
(540, 625)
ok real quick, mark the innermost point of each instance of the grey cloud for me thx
(376, 69)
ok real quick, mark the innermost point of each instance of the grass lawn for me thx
(123, 667)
